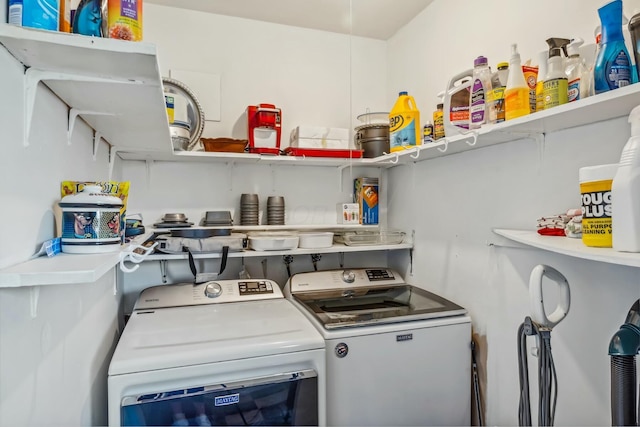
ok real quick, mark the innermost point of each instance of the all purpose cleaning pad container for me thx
(595, 193)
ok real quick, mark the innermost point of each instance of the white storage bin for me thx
(319, 137)
(315, 240)
(273, 241)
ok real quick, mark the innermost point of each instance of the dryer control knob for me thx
(213, 290)
(348, 276)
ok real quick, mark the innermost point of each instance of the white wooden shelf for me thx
(570, 247)
(604, 106)
(114, 85)
(300, 227)
(59, 269)
(202, 156)
(336, 248)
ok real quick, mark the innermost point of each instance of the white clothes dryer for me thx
(229, 352)
(396, 354)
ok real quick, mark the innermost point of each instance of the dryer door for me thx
(284, 399)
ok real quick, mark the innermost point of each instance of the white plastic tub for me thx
(273, 241)
(315, 240)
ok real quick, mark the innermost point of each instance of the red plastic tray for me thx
(323, 152)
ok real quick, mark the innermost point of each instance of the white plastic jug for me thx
(456, 103)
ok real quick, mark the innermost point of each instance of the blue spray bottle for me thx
(613, 66)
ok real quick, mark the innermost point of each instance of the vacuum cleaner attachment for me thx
(623, 348)
(540, 325)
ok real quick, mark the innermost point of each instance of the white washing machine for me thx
(396, 354)
(228, 352)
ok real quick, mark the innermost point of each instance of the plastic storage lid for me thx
(480, 60)
(91, 195)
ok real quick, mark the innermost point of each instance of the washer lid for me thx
(185, 336)
(349, 307)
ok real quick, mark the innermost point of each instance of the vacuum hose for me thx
(547, 377)
(540, 324)
(623, 348)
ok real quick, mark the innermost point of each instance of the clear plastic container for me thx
(362, 238)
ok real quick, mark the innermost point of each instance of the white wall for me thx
(454, 202)
(317, 78)
(53, 366)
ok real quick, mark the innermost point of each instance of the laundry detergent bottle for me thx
(480, 89)
(625, 192)
(404, 124)
(613, 65)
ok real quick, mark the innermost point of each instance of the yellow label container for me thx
(595, 193)
(404, 124)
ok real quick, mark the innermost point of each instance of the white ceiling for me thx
(379, 19)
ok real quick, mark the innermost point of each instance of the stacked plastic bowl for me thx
(275, 210)
(249, 209)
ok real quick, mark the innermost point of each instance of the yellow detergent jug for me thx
(404, 124)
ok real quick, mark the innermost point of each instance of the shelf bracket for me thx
(97, 136)
(230, 166)
(163, 270)
(537, 136)
(74, 113)
(340, 173)
(34, 296)
(273, 178)
(33, 76)
(341, 259)
(112, 159)
(413, 240)
(148, 166)
(287, 259)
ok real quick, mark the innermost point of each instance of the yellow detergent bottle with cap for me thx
(404, 124)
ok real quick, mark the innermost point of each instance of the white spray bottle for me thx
(625, 192)
(576, 71)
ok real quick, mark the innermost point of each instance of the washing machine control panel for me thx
(255, 287)
(346, 278)
(212, 292)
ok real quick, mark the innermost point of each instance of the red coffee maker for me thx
(264, 124)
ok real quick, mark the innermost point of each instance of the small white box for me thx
(319, 137)
(348, 213)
